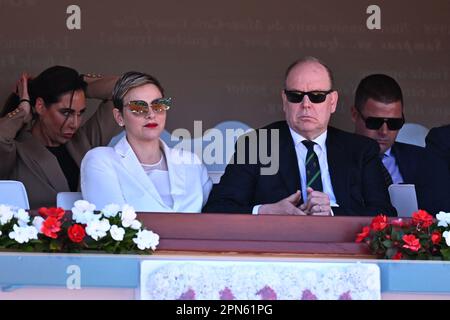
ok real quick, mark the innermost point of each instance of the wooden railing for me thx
(245, 233)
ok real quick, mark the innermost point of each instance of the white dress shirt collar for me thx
(320, 140)
(388, 152)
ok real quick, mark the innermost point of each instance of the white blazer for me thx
(114, 175)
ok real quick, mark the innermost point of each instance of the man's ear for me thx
(40, 106)
(354, 114)
(334, 100)
(284, 100)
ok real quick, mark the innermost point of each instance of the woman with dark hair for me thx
(141, 170)
(42, 139)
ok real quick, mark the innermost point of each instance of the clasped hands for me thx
(317, 204)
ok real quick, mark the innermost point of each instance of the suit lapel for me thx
(78, 147)
(43, 162)
(338, 165)
(132, 165)
(177, 174)
(288, 161)
(405, 165)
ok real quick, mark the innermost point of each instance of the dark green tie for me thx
(313, 176)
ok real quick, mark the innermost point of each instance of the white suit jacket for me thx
(114, 175)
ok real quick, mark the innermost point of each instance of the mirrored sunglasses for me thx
(142, 108)
(313, 96)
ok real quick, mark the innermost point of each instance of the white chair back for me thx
(404, 199)
(221, 139)
(413, 133)
(224, 136)
(66, 200)
(13, 193)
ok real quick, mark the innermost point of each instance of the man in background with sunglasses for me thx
(378, 114)
(322, 170)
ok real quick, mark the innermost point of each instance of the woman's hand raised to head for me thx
(100, 87)
(22, 91)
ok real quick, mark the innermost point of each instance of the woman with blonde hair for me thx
(141, 170)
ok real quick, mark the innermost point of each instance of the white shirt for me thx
(320, 149)
(161, 179)
(159, 175)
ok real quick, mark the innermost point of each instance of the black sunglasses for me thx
(313, 96)
(375, 123)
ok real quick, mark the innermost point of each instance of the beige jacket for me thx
(24, 158)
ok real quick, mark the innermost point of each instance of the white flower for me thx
(18, 234)
(146, 239)
(83, 212)
(117, 233)
(23, 234)
(22, 216)
(135, 225)
(446, 235)
(37, 223)
(128, 215)
(443, 218)
(111, 210)
(0, 233)
(32, 232)
(84, 205)
(6, 214)
(97, 229)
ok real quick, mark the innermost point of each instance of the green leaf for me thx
(445, 253)
(391, 252)
(387, 243)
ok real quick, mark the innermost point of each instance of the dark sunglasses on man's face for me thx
(375, 123)
(313, 96)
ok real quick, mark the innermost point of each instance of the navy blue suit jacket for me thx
(438, 141)
(354, 165)
(427, 172)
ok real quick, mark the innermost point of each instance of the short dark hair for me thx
(50, 85)
(309, 59)
(379, 87)
(130, 80)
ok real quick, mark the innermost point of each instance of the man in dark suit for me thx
(438, 142)
(321, 170)
(378, 114)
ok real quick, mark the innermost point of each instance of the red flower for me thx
(50, 227)
(379, 223)
(57, 213)
(364, 234)
(412, 242)
(436, 237)
(76, 233)
(397, 256)
(422, 218)
(397, 223)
